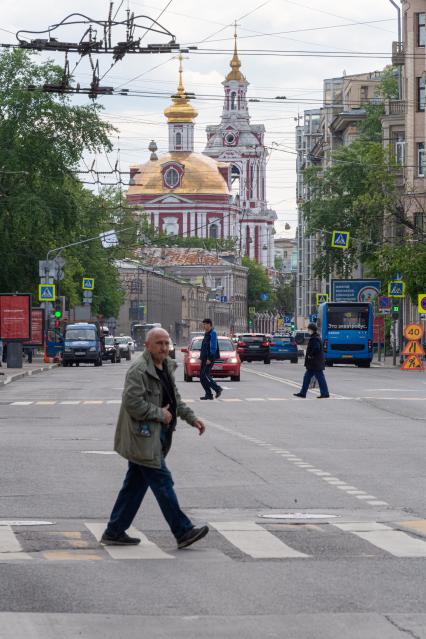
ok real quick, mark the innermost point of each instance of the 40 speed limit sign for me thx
(413, 332)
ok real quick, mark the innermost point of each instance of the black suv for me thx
(254, 347)
(112, 350)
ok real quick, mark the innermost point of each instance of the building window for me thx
(171, 178)
(399, 147)
(233, 98)
(420, 222)
(213, 231)
(421, 93)
(421, 29)
(421, 159)
(178, 139)
(364, 93)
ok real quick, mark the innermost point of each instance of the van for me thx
(83, 342)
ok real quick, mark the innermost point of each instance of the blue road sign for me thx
(384, 302)
(340, 239)
(354, 290)
(46, 292)
(396, 289)
(264, 297)
(287, 319)
(88, 283)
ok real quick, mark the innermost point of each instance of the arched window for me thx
(235, 180)
(171, 178)
(233, 103)
(178, 138)
(214, 231)
(171, 227)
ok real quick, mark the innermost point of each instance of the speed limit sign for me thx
(413, 332)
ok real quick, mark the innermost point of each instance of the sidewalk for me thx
(8, 375)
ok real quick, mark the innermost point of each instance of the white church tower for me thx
(241, 144)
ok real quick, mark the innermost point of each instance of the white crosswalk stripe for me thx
(145, 550)
(395, 542)
(10, 548)
(255, 541)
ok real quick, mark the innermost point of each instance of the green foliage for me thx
(258, 283)
(389, 83)
(285, 295)
(409, 259)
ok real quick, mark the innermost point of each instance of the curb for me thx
(8, 379)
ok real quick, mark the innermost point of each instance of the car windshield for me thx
(280, 339)
(109, 340)
(122, 340)
(80, 334)
(224, 345)
(347, 318)
(252, 338)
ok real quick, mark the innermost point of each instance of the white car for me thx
(125, 344)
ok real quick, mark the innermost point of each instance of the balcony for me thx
(395, 107)
(398, 54)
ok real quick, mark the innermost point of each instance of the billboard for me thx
(355, 290)
(37, 327)
(15, 316)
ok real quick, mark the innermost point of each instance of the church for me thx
(220, 193)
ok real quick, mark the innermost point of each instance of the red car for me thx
(228, 365)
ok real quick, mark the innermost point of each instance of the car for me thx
(112, 350)
(196, 334)
(283, 347)
(172, 349)
(125, 346)
(254, 347)
(228, 364)
(301, 337)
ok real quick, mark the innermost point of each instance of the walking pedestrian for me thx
(208, 354)
(150, 407)
(315, 364)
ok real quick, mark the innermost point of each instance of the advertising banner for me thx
(37, 327)
(355, 290)
(15, 316)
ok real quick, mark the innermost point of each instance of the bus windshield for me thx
(347, 318)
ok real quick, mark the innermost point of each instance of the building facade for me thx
(242, 146)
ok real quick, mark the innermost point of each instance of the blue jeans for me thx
(137, 481)
(321, 381)
(207, 382)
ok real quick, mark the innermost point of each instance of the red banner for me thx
(15, 317)
(379, 324)
(37, 327)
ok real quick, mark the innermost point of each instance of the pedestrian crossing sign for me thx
(340, 239)
(88, 284)
(46, 292)
(396, 288)
(321, 298)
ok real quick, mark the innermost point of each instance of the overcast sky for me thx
(363, 27)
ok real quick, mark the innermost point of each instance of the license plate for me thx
(80, 352)
(347, 356)
(254, 346)
(217, 367)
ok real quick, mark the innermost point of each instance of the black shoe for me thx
(219, 393)
(119, 540)
(207, 397)
(323, 396)
(299, 395)
(192, 535)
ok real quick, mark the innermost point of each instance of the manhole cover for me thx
(298, 516)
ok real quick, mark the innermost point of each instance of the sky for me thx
(287, 48)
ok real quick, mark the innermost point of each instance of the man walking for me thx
(208, 354)
(150, 406)
(315, 364)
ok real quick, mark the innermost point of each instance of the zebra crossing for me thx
(237, 539)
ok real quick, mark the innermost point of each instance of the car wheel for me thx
(235, 378)
(293, 361)
(267, 360)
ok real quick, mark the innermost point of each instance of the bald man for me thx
(149, 410)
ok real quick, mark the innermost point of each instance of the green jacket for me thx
(141, 404)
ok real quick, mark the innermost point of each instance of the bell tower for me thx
(181, 115)
(241, 144)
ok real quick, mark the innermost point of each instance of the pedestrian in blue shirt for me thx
(208, 354)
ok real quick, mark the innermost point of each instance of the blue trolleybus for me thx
(346, 329)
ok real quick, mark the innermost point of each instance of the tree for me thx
(258, 283)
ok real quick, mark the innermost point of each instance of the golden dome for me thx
(181, 110)
(235, 64)
(201, 175)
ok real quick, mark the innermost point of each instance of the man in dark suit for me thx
(314, 364)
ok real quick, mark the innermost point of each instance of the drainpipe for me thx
(398, 8)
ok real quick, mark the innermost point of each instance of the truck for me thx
(83, 342)
(139, 331)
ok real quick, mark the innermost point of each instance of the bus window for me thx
(345, 318)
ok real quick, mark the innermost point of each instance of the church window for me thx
(233, 99)
(230, 138)
(171, 178)
(171, 227)
(178, 139)
(235, 180)
(214, 231)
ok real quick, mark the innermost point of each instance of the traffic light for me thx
(293, 326)
(250, 323)
(395, 311)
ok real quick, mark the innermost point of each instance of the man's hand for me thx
(208, 362)
(167, 416)
(199, 425)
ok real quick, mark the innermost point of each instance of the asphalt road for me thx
(316, 508)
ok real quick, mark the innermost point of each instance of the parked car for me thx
(254, 347)
(124, 343)
(112, 350)
(228, 364)
(283, 347)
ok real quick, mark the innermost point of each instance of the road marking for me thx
(45, 403)
(292, 383)
(278, 399)
(418, 526)
(365, 497)
(98, 452)
(377, 502)
(21, 403)
(10, 548)
(395, 542)
(113, 401)
(93, 401)
(69, 555)
(231, 399)
(255, 541)
(145, 550)
(71, 402)
(255, 399)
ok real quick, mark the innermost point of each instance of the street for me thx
(316, 510)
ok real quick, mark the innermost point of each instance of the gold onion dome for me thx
(235, 64)
(181, 110)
